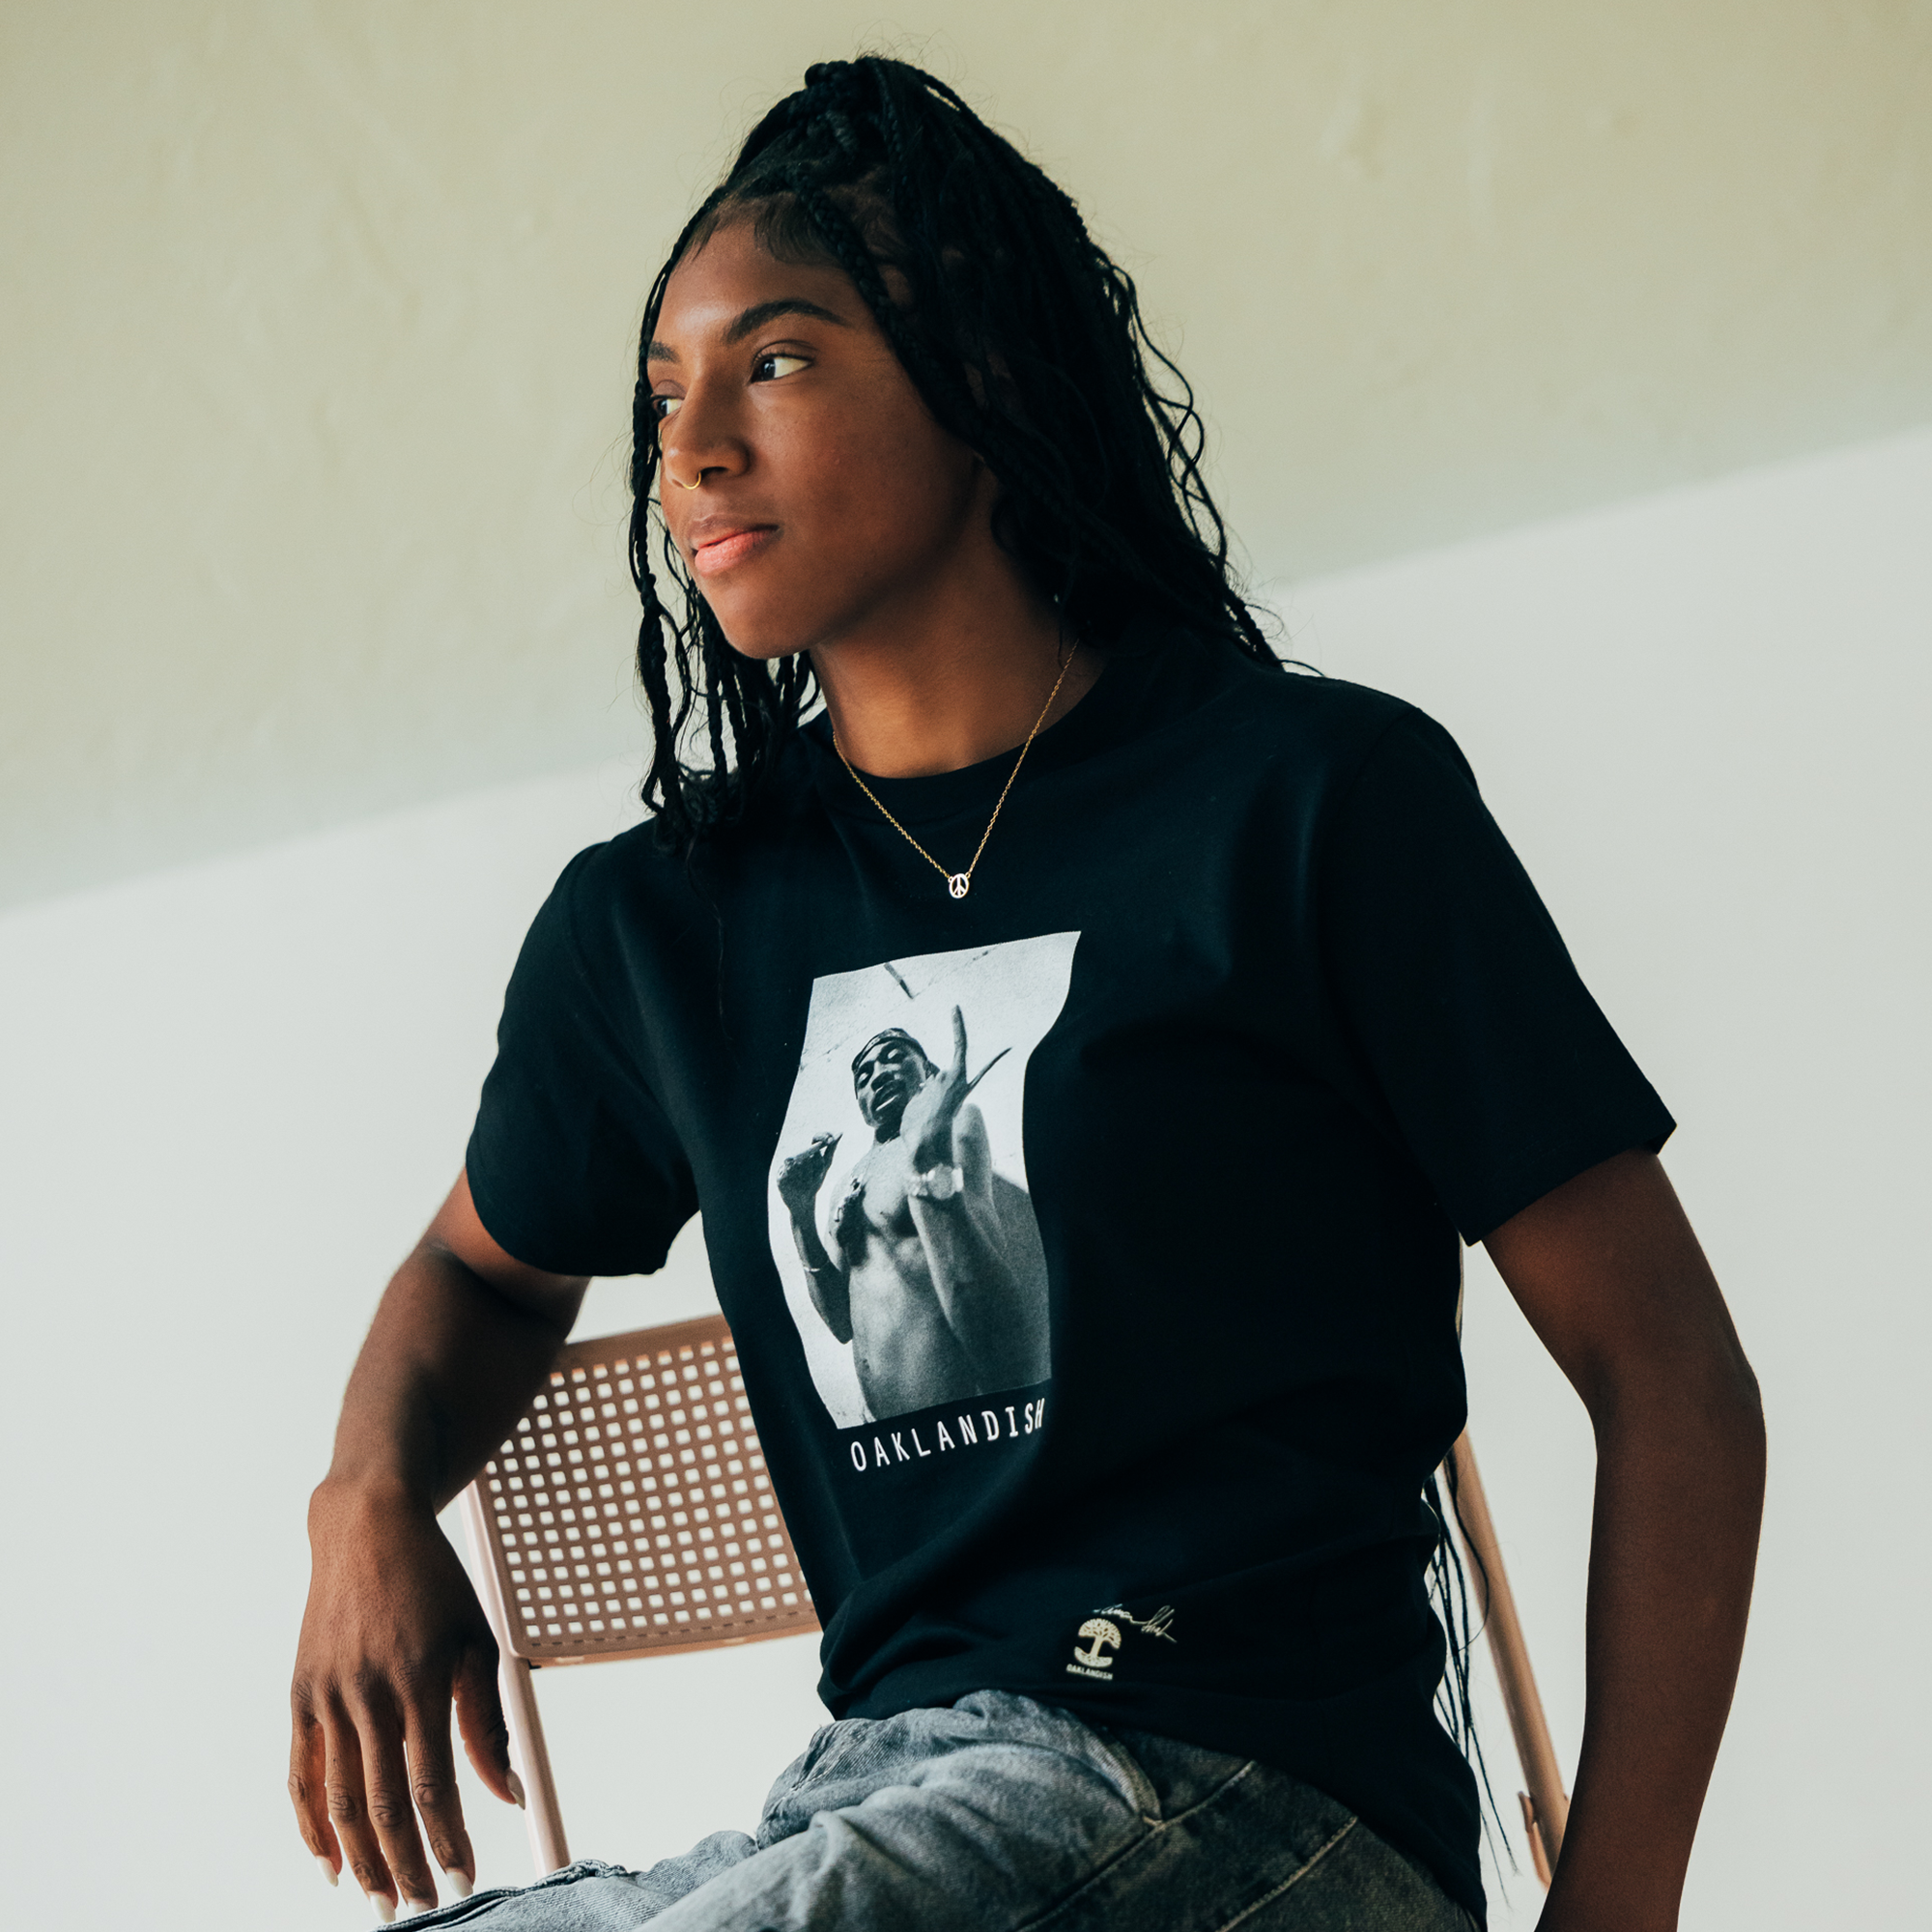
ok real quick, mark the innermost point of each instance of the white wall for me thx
(233, 1093)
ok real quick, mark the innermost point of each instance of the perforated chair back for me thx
(628, 1513)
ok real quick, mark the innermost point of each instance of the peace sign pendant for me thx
(959, 884)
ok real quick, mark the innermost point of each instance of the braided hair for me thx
(1024, 338)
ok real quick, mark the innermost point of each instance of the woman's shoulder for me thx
(643, 870)
(1331, 726)
(612, 863)
(610, 884)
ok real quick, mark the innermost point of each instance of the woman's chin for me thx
(765, 647)
(752, 632)
(770, 627)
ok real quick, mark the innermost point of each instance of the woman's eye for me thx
(664, 408)
(769, 368)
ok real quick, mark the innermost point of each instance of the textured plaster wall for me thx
(313, 389)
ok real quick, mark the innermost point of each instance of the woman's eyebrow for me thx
(754, 319)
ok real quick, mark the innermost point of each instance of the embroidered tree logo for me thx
(1101, 1637)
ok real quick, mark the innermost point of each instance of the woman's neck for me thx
(953, 683)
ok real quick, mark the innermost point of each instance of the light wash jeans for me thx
(995, 1815)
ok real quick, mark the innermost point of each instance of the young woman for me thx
(1086, 1043)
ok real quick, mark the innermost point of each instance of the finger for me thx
(348, 1813)
(434, 1792)
(959, 1045)
(986, 1069)
(309, 1772)
(386, 1783)
(480, 1716)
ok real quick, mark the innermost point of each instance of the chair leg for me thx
(527, 1751)
(1545, 1805)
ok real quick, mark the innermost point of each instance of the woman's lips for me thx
(721, 553)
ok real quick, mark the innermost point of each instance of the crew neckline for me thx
(1095, 723)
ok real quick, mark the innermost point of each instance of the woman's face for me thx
(827, 502)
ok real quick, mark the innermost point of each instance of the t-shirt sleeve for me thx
(1500, 1072)
(573, 1165)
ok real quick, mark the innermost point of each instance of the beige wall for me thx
(313, 359)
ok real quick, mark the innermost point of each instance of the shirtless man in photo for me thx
(939, 1281)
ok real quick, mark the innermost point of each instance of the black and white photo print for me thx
(901, 1220)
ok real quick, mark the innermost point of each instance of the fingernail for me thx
(415, 1905)
(328, 1870)
(459, 1880)
(378, 1904)
(516, 1785)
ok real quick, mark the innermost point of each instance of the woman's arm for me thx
(1612, 1279)
(460, 1341)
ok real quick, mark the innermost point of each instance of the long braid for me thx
(1026, 340)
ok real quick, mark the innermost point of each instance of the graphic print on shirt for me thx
(901, 1220)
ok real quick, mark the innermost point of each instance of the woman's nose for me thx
(700, 442)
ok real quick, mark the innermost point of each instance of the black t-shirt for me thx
(1102, 1338)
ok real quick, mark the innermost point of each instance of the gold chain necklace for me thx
(959, 884)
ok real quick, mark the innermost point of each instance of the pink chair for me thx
(628, 1513)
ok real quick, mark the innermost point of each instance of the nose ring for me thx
(683, 485)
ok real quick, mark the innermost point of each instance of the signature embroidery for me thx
(1153, 1626)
